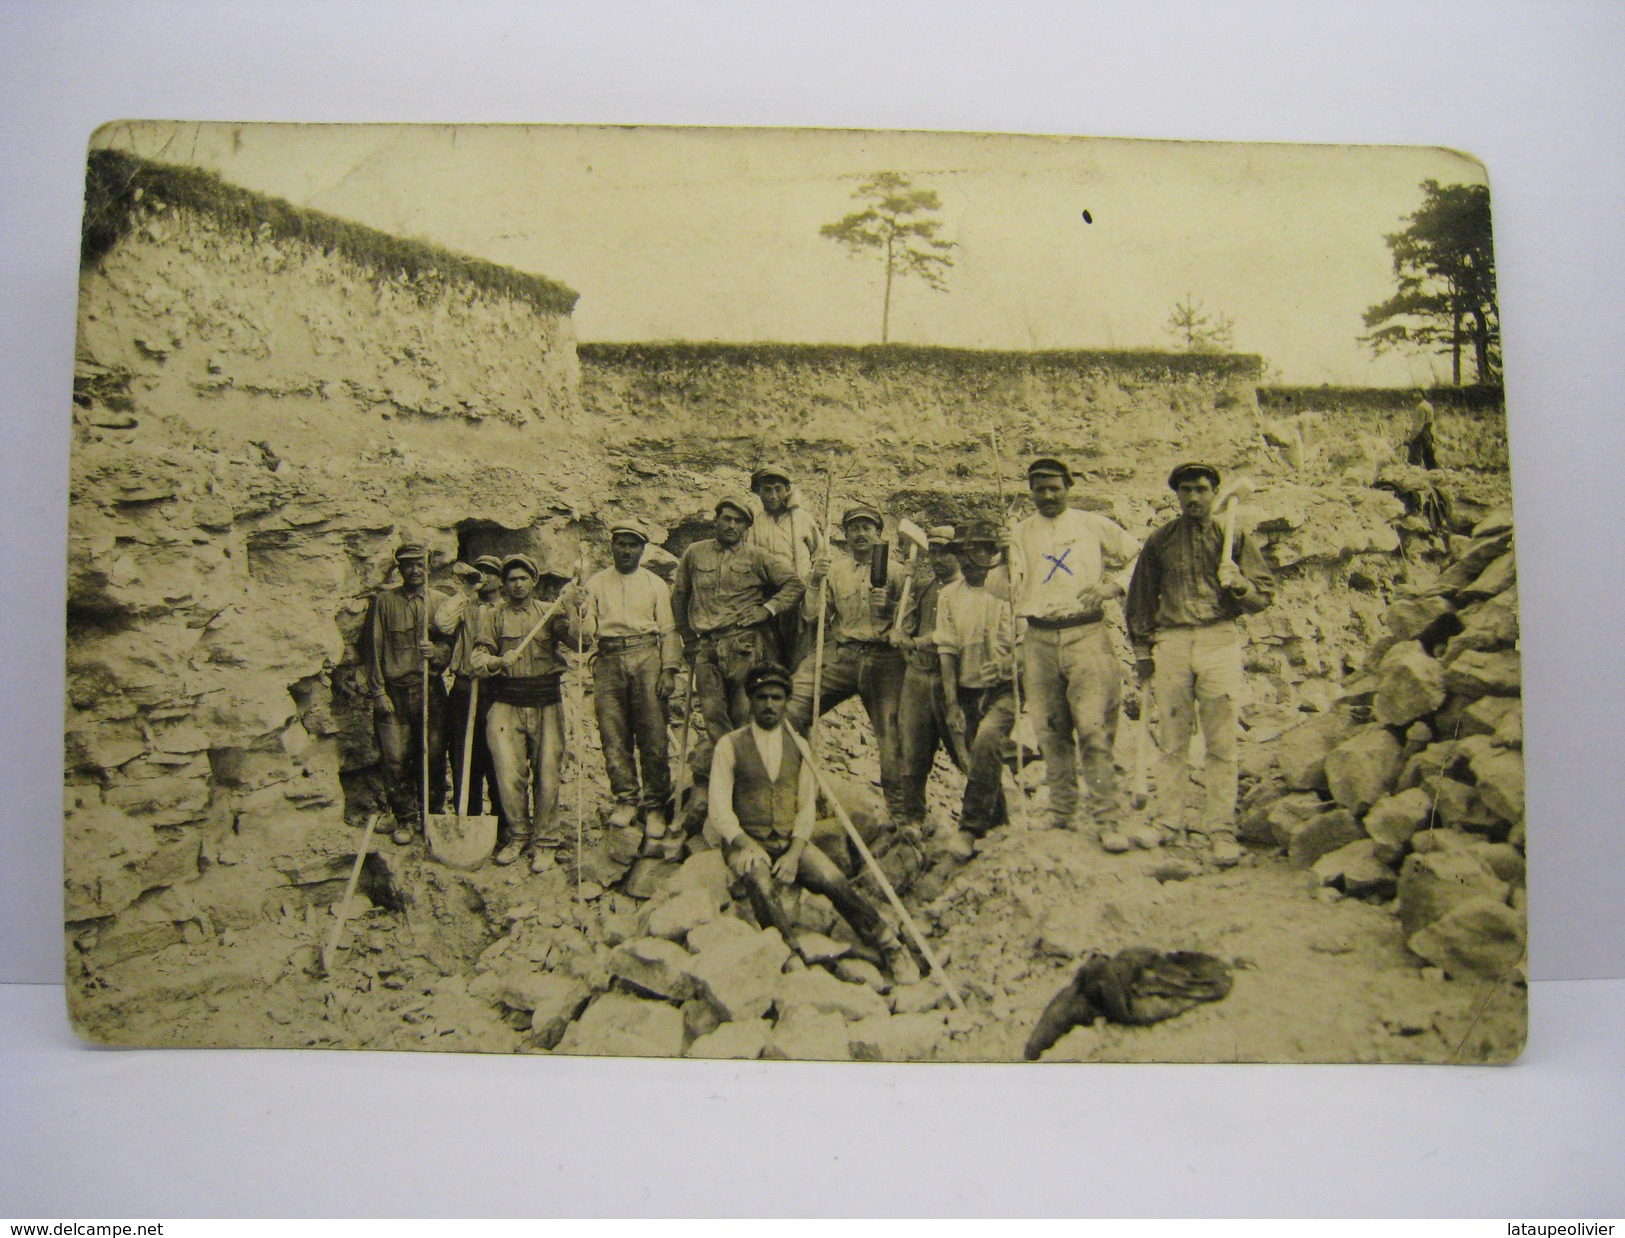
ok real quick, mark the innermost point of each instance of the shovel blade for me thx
(460, 842)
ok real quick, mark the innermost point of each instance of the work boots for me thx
(511, 850)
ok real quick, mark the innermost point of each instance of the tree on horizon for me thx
(893, 221)
(1195, 331)
(1444, 268)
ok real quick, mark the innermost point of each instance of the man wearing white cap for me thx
(628, 613)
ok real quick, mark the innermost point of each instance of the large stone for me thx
(618, 1025)
(1411, 619)
(1410, 685)
(897, 1038)
(1489, 625)
(1477, 555)
(705, 871)
(739, 976)
(648, 877)
(1457, 806)
(1509, 731)
(1480, 672)
(1497, 578)
(1287, 815)
(819, 990)
(1500, 782)
(551, 997)
(1301, 752)
(742, 1041)
(1320, 835)
(1494, 523)
(1426, 767)
(803, 1034)
(919, 997)
(654, 965)
(1485, 715)
(723, 931)
(862, 971)
(1505, 861)
(1431, 884)
(1393, 819)
(1356, 870)
(698, 1018)
(1477, 937)
(675, 917)
(1362, 769)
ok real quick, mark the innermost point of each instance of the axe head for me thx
(1236, 492)
(913, 535)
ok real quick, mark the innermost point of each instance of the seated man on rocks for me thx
(762, 809)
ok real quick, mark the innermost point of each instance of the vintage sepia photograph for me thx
(791, 594)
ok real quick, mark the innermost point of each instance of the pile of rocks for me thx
(1411, 787)
(686, 974)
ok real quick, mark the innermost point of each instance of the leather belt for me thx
(621, 644)
(1058, 625)
(865, 644)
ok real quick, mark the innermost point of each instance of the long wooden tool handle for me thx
(937, 968)
(1229, 530)
(468, 745)
(908, 587)
(685, 776)
(424, 746)
(818, 664)
(1142, 747)
(1018, 800)
(581, 716)
(542, 622)
(349, 892)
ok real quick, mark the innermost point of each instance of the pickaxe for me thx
(1230, 497)
(917, 541)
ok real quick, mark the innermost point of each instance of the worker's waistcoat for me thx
(765, 807)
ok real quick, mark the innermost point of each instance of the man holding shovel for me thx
(1183, 603)
(526, 725)
(628, 613)
(395, 648)
(922, 712)
(457, 620)
(864, 664)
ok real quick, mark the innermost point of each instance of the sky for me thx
(713, 234)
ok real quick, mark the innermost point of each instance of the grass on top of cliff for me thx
(681, 353)
(118, 187)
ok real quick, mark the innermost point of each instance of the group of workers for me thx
(774, 625)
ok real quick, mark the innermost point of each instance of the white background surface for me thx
(1534, 90)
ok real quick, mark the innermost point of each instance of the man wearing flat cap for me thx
(975, 642)
(859, 658)
(525, 727)
(395, 643)
(922, 710)
(628, 615)
(456, 620)
(785, 528)
(763, 798)
(1059, 563)
(724, 598)
(1183, 606)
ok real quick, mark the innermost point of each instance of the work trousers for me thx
(632, 715)
(719, 678)
(527, 748)
(922, 721)
(1198, 679)
(990, 716)
(818, 873)
(482, 774)
(874, 674)
(400, 746)
(1074, 689)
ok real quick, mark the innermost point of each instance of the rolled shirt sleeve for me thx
(720, 809)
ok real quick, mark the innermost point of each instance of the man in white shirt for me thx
(975, 644)
(1059, 558)
(628, 614)
(763, 798)
(785, 528)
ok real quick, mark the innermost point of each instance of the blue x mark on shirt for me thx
(1058, 564)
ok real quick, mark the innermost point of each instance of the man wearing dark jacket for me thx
(1182, 608)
